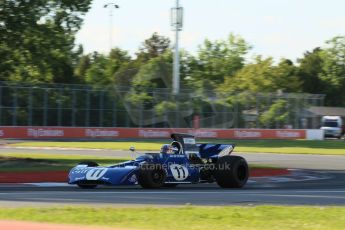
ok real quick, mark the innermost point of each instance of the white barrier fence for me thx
(314, 134)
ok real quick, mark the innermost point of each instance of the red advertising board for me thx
(113, 133)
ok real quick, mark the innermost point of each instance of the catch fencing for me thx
(63, 105)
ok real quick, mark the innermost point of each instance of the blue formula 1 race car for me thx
(181, 162)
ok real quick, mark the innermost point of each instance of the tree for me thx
(263, 76)
(83, 65)
(118, 59)
(333, 71)
(153, 47)
(216, 60)
(285, 77)
(156, 73)
(276, 116)
(38, 39)
(249, 88)
(102, 70)
(309, 71)
(96, 74)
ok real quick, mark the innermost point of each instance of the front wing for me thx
(103, 175)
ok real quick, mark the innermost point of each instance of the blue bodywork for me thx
(179, 167)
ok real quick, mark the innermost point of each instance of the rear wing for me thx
(213, 150)
(205, 150)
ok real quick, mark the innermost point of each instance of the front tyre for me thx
(87, 186)
(170, 185)
(151, 176)
(231, 172)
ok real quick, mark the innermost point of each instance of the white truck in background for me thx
(332, 126)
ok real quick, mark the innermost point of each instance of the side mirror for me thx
(132, 149)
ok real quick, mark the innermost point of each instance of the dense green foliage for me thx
(37, 45)
(37, 39)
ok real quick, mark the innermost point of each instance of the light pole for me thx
(111, 6)
(176, 23)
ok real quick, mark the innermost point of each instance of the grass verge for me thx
(185, 218)
(31, 162)
(121, 145)
(326, 147)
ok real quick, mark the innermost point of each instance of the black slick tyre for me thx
(151, 176)
(170, 185)
(87, 186)
(231, 172)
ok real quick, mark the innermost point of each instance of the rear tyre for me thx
(87, 186)
(231, 172)
(151, 176)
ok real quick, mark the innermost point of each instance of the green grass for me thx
(292, 150)
(185, 218)
(94, 145)
(327, 147)
(31, 162)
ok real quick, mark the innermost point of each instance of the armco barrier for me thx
(113, 133)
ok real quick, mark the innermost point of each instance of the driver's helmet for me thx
(167, 149)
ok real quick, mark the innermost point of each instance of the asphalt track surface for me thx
(308, 188)
(323, 183)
